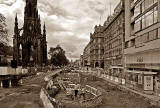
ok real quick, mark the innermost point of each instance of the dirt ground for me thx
(24, 96)
(115, 98)
(112, 96)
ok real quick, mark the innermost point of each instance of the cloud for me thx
(68, 22)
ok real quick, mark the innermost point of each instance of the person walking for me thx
(76, 90)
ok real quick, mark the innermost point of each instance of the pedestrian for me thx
(76, 90)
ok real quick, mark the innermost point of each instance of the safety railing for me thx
(93, 102)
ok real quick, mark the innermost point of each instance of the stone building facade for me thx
(30, 46)
(114, 41)
(86, 55)
(81, 61)
(142, 48)
(97, 47)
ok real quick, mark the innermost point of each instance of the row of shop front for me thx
(144, 81)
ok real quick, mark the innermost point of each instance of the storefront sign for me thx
(148, 83)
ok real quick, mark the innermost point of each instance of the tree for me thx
(3, 30)
(3, 36)
(58, 57)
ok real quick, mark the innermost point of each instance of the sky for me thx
(68, 22)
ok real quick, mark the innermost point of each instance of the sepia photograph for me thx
(79, 53)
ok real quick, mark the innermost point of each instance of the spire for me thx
(16, 26)
(39, 24)
(44, 30)
(16, 19)
(39, 20)
(39, 17)
(16, 23)
(36, 13)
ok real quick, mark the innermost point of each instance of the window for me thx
(137, 25)
(132, 42)
(137, 10)
(102, 51)
(96, 51)
(146, 4)
(155, 14)
(127, 44)
(149, 18)
(143, 6)
(150, 2)
(143, 22)
(120, 50)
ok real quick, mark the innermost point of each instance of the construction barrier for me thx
(93, 102)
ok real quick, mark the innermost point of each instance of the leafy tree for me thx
(58, 57)
(3, 36)
(3, 30)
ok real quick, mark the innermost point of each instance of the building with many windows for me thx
(142, 38)
(114, 41)
(86, 55)
(97, 47)
(81, 61)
